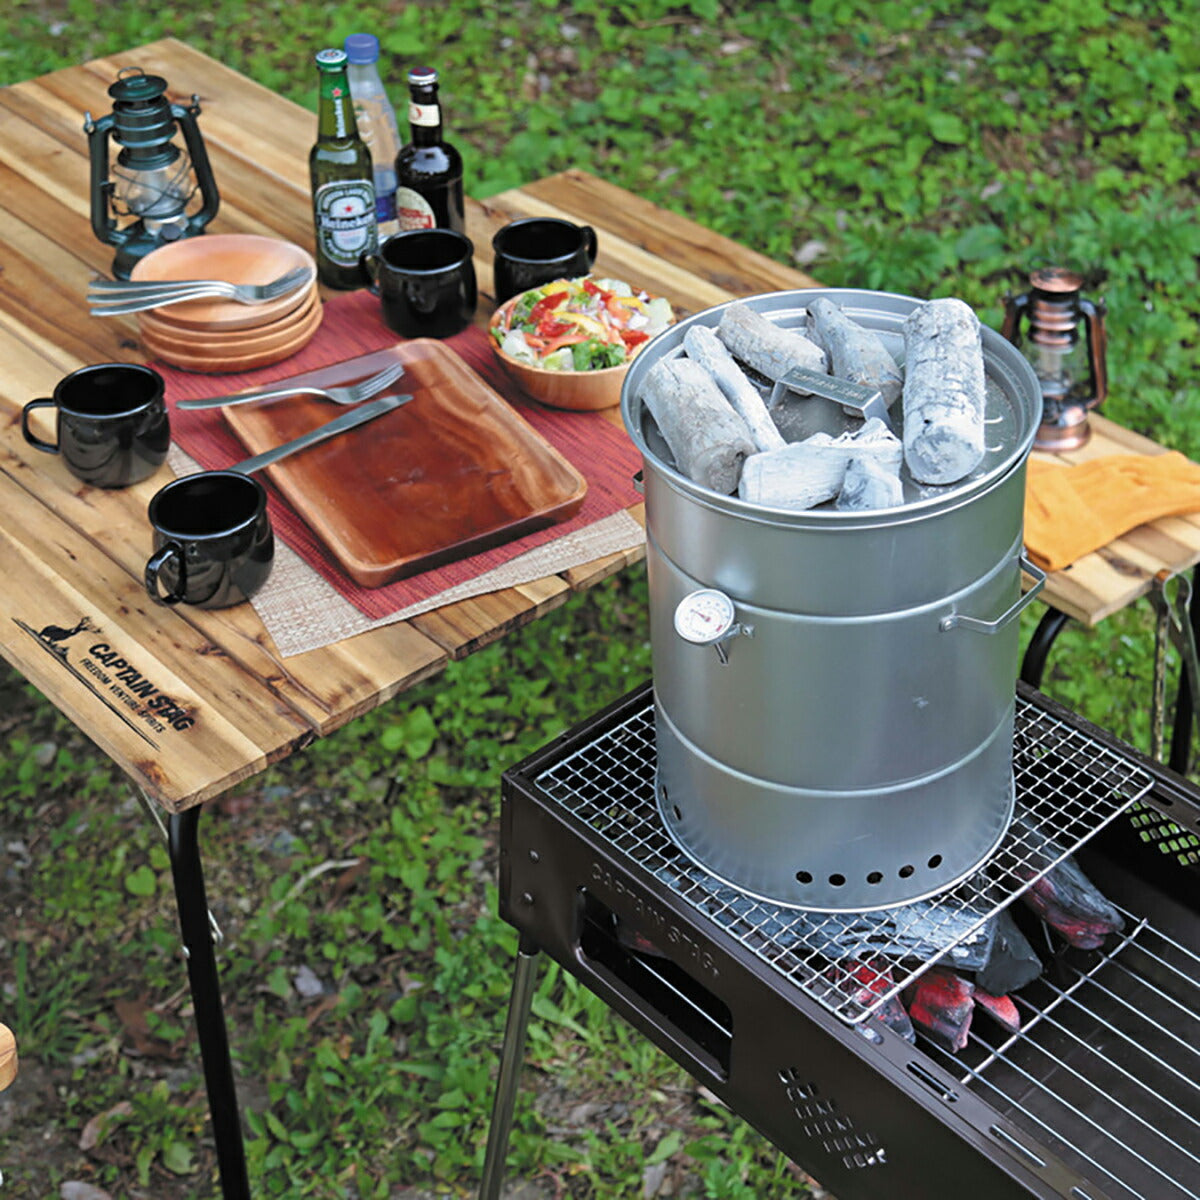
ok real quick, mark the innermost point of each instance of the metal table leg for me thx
(1033, 665)
(511, 1057)
(184, 845)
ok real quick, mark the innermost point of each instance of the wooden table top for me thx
(69, 552)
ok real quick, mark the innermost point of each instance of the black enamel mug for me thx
(539, 250)
(425, 281)
(112, 428)
(213, 543)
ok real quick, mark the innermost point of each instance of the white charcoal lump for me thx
(944, 392)
(855, 353)
(804, 474)
(702, 345)
(869, 485)
(706, 436)
(768, 348)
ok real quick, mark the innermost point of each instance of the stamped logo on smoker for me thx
(112, 678)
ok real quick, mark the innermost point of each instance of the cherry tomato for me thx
(546, 305)
(634, 337)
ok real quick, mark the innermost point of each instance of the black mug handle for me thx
(368, 269)
(590, 245)
(157, 560)
(49, 447)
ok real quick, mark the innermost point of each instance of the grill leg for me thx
(1034, 663)
(184, 845)
(1185, 713)
(511, 1057)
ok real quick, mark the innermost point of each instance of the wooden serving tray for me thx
(452, 472)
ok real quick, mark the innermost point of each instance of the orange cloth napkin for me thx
(1071, 511)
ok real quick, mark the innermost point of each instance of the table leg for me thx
(511, 1057)
(184, 846)
(1033, 665)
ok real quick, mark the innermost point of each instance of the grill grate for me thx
(1092, 1059)
(1068, 786)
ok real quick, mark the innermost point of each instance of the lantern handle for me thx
(186, 117)
(1097, 341)
(104, 224)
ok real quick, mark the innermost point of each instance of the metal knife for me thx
(348, 420)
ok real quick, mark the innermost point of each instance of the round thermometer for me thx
(704, 617)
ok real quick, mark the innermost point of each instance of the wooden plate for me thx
(453, 472)
(215, 360)
(233, 341)
(236, 257)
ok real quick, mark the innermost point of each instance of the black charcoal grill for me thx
(1095, 1099)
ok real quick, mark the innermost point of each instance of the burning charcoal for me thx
(869, 485)
(855, 353)
(1013, 962)
(703, 346)
(865, 983)
(768, 348)
(1063, 896)
(940, 1004)
(708, 439)
(1000, 1009)
(944, 392)
(804, 474)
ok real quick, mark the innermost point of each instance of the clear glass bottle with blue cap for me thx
(376, 119)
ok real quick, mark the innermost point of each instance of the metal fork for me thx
(111, 298)
(354, 394)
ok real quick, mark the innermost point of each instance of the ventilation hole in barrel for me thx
(935, 862)
(804, 877)
(905, 871)
(875, 877)
(676, 810)
(837, 880)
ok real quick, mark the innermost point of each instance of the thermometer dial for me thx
(704, 617)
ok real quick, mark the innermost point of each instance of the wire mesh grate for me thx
(1068, 786)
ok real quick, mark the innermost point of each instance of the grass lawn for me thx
(934, 148)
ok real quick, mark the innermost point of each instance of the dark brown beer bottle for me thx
(429, 171)
(343, 190)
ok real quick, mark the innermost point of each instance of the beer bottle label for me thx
(428, 115)
(345, 210)
(413, 211)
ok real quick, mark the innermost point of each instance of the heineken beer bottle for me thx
(343, 191)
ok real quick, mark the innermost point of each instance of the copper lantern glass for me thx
(1070, 368)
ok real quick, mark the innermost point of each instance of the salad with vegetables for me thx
(580, 324)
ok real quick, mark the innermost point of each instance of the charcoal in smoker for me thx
(855, 353)
(769, 348)
(703, 346)
(804, 474)
(1000, 1008)
(944, 392)
(708, 439)
(1063, 896)
(940, 1004)
(1013, 962)
(869, 485)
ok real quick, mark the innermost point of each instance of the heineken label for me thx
(345, 212)
(413, 211)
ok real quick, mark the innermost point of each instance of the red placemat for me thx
(600, 450)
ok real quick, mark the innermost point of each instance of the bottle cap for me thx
(330, 60)
(362, 48)
(422, 77)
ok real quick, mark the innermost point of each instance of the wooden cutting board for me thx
(452, 472)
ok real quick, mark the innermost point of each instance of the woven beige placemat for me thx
(303, 611)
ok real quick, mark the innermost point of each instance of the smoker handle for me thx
(958, 621)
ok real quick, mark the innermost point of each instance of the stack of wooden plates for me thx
(225, 336)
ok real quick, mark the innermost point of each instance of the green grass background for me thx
(939, 148)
